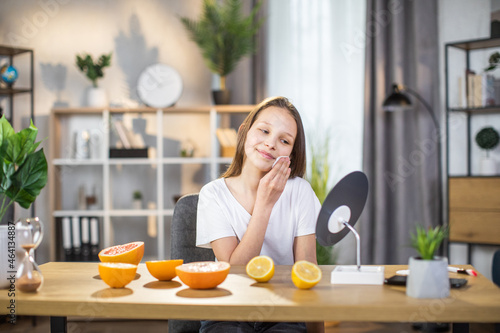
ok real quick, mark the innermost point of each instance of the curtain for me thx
(400, 149)
(314, 55)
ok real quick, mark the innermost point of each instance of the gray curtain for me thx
(400, 154)
(259, 59)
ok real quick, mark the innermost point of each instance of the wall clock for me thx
(159, 86)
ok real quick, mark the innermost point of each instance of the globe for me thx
(8, 74)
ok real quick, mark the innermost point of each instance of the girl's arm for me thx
(270, 188)
(304, 248)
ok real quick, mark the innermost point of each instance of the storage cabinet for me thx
(473, 199)
(161, 177)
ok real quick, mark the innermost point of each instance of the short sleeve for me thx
(308, 208)
(211, 222)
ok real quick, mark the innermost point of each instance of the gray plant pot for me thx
(428, 278)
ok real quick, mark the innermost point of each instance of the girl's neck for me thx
(249, 179)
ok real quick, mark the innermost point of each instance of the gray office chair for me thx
(183, 246)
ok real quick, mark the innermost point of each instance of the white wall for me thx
(139, 33)
(461, 20)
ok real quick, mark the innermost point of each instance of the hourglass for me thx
(29, 235)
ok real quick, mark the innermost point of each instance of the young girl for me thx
(261, 205)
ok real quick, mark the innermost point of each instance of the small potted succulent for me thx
(428, 277)
(487, 138)
(94, 70)
(137, 200)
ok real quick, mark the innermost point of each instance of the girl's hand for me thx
(273, 183)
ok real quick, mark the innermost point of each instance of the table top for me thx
(75, 289)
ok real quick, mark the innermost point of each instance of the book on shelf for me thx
(480, 89)
(227, 138)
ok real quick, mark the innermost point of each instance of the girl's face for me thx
(271, 135)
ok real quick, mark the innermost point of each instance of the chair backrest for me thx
(183, 246)
(495, 268)
(183, 232)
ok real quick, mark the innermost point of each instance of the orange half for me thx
(163, 270)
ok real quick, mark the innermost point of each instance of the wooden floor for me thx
(41, 325)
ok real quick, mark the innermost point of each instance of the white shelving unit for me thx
(65, 171)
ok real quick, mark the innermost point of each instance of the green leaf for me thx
(6, 130)
(29, 179)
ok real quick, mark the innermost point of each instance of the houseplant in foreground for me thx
(94, 71)
(23, 169)
(428, 277)
(224, 36)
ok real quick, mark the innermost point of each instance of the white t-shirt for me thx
(294, 214)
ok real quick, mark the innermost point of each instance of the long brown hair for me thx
(298, 155)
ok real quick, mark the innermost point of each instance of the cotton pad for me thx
(277, 160)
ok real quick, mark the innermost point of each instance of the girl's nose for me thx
(270, 142)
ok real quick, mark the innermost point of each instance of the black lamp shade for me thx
(397, 100)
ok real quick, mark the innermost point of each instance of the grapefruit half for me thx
(203, 274)
(130, 253)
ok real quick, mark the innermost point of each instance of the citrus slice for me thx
(203, 274)
(305, 274)
(117, 275)
(260, 268)
(163, 270)
(130, 253)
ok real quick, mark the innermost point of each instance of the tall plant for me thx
(23, 169)
(224, 35)
(319, 174)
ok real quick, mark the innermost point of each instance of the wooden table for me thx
(75, 289)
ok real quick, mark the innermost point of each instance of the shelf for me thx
(63, 213)
(161, 178)
(477, 110)
(222, 109)
(11, 51)
(473, 176)
(476, 44)
(14, 91)
(76, 162)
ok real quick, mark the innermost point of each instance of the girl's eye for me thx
(264, 131)
(285, 142)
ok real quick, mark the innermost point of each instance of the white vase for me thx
(96, 97)
(488, 167)
(137, 204)
(428, 278)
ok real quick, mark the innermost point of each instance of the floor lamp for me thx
(399, 101)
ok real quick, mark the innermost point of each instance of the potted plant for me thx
(94, 70)
(23, 169)
(224, 36)
(487, 138)
(494, 61)
(428, 277)
(137, 199)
